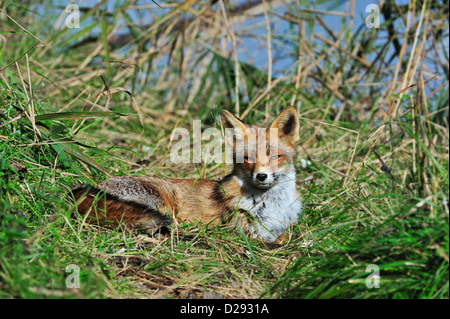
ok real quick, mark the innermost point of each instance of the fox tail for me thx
(106, 209)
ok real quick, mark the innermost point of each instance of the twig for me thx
(269, 56)
(230, 30)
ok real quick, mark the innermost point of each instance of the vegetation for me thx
(80, 104)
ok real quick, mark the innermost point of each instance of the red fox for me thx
(259, 195)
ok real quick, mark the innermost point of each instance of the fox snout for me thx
(263, 176)
(263, 180)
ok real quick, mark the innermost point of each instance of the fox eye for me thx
(275, 157)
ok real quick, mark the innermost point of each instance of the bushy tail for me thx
(106, 209)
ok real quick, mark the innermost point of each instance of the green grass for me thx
(377, 196)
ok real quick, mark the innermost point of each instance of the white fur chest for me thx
(274, 209)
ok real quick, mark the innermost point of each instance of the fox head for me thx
(263, 156)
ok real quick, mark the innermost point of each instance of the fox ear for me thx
(231, 121)
(288, 125)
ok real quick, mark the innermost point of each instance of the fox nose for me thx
(261, 177)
